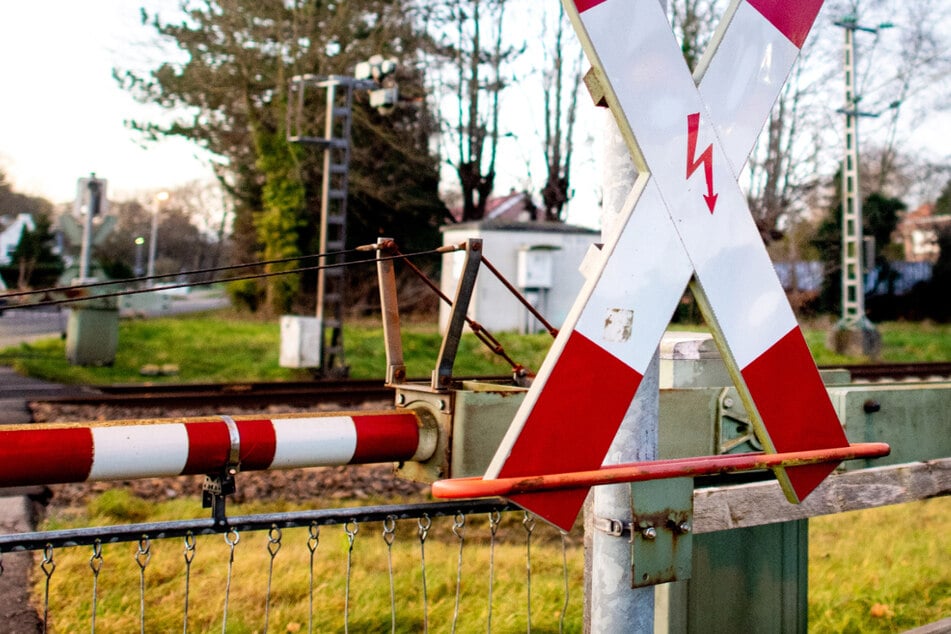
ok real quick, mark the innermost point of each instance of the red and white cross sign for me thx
(685, 217)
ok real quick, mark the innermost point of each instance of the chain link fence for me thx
(446, 567)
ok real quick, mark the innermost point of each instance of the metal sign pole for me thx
(611, 604)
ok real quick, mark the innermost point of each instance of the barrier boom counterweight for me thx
(125, 450)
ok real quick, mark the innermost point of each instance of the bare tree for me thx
(471, 36)
(560, 115)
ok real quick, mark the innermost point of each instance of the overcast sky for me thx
(61, 113)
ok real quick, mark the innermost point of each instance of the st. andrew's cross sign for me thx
(686, 216)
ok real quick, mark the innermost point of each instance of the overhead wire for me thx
(165, 287)
(392, 253)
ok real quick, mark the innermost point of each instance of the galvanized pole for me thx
(853, 288)
(612, 605)
(854, 334)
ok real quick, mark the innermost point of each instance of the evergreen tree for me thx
(37, 266)
(230, 97)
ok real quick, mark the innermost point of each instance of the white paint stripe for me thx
(725, 247)
(743, 79)
(632, 278)
(138, 451)
(639, 287)
(308, 442)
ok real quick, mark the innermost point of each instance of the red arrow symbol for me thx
(706, 159)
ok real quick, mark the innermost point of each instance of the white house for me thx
(11, 229)
(539, 258)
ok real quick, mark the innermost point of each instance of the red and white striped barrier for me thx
(677, 224)
(125, 450)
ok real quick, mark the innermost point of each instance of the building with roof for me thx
(541, 259)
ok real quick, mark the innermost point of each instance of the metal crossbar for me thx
(259, 522)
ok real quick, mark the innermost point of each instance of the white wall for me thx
(492, 304)
(10, 237)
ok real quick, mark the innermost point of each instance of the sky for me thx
(61, 112)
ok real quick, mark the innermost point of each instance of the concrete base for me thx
(855, 341)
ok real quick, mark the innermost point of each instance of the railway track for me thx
(346, 391)
(242, 394)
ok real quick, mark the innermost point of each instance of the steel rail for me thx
(353, 390)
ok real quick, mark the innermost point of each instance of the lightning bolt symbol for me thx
(705, 159)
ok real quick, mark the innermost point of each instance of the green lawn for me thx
(220, 347)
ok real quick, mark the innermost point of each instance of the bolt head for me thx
(649, 533)
(728, 402)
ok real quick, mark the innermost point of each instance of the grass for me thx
(224, 346)
(879, 570)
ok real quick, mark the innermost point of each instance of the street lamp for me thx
(160, 199)
(139, 270)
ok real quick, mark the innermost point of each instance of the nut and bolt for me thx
(728, 402)
(649, 533)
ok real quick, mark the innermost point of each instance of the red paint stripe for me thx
(48, 456)
(584, 5)
(793, 18)
(572, 425)
(258, 444)
(209, 447)
(385, 438)
(795, 406)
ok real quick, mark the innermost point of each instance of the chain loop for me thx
(95, 560)
(313, 540)
(231, 538)
(188, 554)
(389, 536)
(144, 553)
(528, 522)
(142, 557)
(389, 529)
(273, 546)
(351, 528)
(458, 524)
(313, 537)
(423, 525)
(95, 564)
(495, 518)
(273, 540)
(48, 566)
